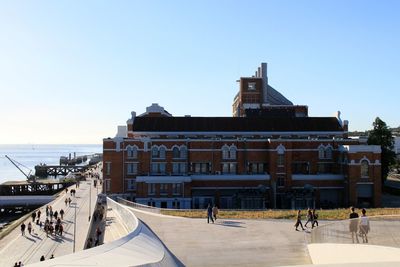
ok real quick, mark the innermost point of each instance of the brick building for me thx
(269, 154)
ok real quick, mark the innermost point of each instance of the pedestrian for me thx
(38, 214)
(16, 264)
(66, 190)
(47, 210)
(62, 214)
(42, 258)
(52, 256)
(56, 215)
(215, 212)
(298, 221)
(33, 216)
(209, 214)
(309, 218)
(315, 218)
(89, 243)
(23, 229)
(20, 264)
(51, 215)
(29, 228)
(66, 201)
(98, 232)
(364, 226)
(69, 201)
(353, 224)
(61, 229)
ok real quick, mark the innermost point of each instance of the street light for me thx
(74, 226)
(90, 199)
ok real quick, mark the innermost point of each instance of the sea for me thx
(28, 156)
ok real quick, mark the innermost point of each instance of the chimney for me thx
(264, 77)
(346, 128)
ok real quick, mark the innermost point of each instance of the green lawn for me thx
(335, 214)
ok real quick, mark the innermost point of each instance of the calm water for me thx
(31, 155)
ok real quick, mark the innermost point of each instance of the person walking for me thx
(42, 258)
(62, 214)
(66, 201)
(215, 212)
(52, 256)
(298, 221)
(30, 228)
(33, 216)
(353, 224)
(364, 226)
(69, 201)
(315, 218)
(38, 214)
(55, 215)
(23, 226)
(310, 218)
(209, 214)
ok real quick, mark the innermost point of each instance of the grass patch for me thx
(334, 214)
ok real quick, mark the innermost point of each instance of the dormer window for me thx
(251, 86)
(364, 168)
(132, 152)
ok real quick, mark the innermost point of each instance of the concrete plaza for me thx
(229, 242)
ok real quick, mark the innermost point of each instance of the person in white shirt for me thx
(364, 226)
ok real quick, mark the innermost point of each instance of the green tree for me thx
(381, 135)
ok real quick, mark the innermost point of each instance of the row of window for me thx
(228, 152)
(163, 188)
(255, 168)
(197, 168)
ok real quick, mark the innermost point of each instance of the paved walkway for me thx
(29, 248)
(229, 242)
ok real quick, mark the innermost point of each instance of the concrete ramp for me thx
(139, 248)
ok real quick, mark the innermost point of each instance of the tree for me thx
(381, 135)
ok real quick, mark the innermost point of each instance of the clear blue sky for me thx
(71, 71)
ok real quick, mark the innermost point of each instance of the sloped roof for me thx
(236, 124)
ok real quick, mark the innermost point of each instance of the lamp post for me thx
(74, 226)
(90, 199)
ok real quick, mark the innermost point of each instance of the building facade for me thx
(269, 154)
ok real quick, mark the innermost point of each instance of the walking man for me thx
(209, 214)
(62, 214)
(298, 221)
(215, 212)
(23, 229)
(353, 226)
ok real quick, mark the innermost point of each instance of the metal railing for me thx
(383, 231)
(138, 206)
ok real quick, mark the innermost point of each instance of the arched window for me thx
(162, 152)
(225, 152)
(364, 168)
(132, 151)
(183, 153)
(175, 152)
(232, 152)
(154, 152)
(328, 153)
(321, 152)
(281, 155)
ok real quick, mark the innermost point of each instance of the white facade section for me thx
(363, 148)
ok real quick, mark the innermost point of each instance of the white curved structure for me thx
(139, 248)
(333, 243)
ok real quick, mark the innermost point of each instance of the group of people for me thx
(212, 213)
(359, 226)
(312, 217)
